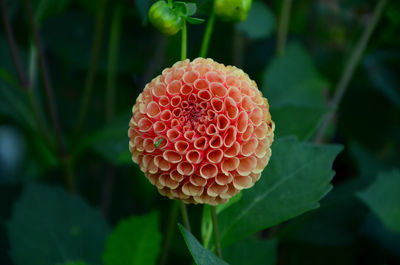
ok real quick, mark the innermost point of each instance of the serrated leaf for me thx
(294, 90)
(135, 241)
(252, 251)
(297, 177)
(259, 15)
(193, 20)
(201, 255)
(49, 226)
(383, 198)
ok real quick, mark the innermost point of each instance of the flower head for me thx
(201, 131)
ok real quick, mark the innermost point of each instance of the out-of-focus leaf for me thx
(297, 177)
(46, 8)
(383, 197)
(14, 105)
(260, 21)
(368, 164)
(252, 252)
(374, 229)
(201, 255)
(294, 90)
(49, 226)
(382, 77)
(135, 241)
(111, 142)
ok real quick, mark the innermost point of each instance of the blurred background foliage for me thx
(358, 222)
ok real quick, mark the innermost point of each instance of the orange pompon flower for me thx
(201, 132)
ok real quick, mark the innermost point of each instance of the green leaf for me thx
(135, 241)
(49, 226)
(383, 198)
(382, 77)
(333, 223)
(201, 255)
(15, 106)
(231, 201)
(297, 177)
(294, 90)
(252, 251)
(110, 142)
(260, 22)
(193, 20)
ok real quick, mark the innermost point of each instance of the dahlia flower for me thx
(201, 132)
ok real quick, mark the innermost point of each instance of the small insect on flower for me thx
(201, 132)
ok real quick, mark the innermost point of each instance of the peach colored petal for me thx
(201, 132)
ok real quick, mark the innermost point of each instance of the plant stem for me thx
(350, 67)
(93, 66)
(207, 35)
(24, 83)
(62, 150)
(185, 216)
(113, 48)
(170, 232)
(216, 231)
(283, 26)
(184, 42)
(46, 78)
(13, 47)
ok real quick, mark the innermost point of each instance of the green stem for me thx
(283, 26)
(185, 216)
(207, 35)
(184, 42)
(113, 48)
(170, 232)
(49, 92)
(87, 92)
(13, 47)
(350, 67)
(216, 231)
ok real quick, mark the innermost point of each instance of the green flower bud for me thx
(232, 10)
(165, 19)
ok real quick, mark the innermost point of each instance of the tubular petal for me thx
(208, 171)
(201, 132)
(215, 156)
